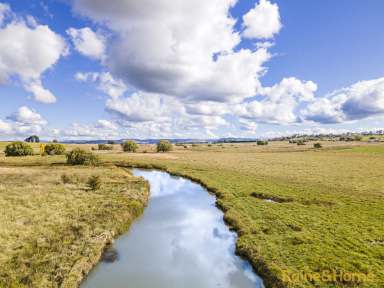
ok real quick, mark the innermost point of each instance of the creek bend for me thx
(180, 241)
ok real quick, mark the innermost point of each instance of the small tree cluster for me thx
(33, 139)
(317, 145)
(18, 149)
(164, 146)
(262, 143)
(81, 157)
(105, 147)
(54, 149)
(129, 146)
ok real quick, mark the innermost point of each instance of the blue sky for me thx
(218, 69)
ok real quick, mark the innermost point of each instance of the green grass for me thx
(332, 221)
(328, 211)
(51, 233)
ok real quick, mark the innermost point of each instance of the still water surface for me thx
(181, 241)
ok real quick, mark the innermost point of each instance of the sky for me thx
(86, 69)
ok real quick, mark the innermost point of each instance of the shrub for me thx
(317, 145)
(18, 149)
(164, 146)
(81, 157)
(300, 142)
(54, 149)
(129, 146)
(94, 182)
(105, 147)
(261, 143)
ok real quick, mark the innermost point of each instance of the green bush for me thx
(18, 149)
(261, 143)
(105, 147)
(300, 142)
(54, 149)
(317, 145)
(164, 146)
(94, 182)
(81, 157)
(129, 146)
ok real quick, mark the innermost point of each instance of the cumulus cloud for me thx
(184, 49)
(361, 100)
(25, 115)
(88, 42)
(89, 131)
(23, 122)
(105, 82)
(38, 49)
(263, 21)
(142, 107)
(106, 124)
(278, 103)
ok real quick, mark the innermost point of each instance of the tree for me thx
(262, 143)
(54, 149)
(105, 147)
(18, 149)
(164, 146)
(81, 157)
(32, 139)
(129, 146)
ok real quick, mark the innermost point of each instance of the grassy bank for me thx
(296, 211)
(52, 233)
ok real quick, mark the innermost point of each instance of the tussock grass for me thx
(52, 233)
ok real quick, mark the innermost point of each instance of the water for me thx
(181, 241)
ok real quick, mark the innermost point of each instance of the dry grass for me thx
(52, 233)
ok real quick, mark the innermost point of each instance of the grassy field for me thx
(52, 233)
(296, 209)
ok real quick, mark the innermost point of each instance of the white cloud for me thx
(279, 102)
(105, 82)
(106, 124)
(184, 49)
(23, 122)
(27, 116)
(142, 107)
(4, 11)
(39, 92)
(361, 100)
(84, 131)
(263, 21)
(87, 42)
(27, 52)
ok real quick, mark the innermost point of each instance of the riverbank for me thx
(53, 227)
(295, 212)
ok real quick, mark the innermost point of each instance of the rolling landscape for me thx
(184, 144)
